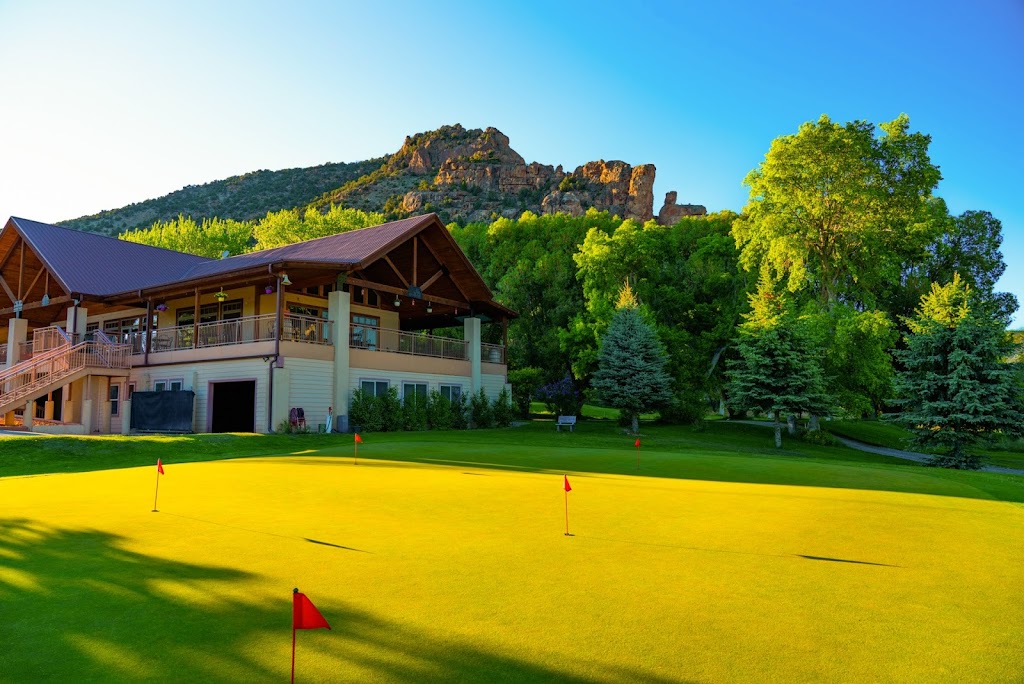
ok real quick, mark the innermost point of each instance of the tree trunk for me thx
(778, 434)
(636, 423)
(791, 424)
(812, 423)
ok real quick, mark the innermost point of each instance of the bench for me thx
(565, 421)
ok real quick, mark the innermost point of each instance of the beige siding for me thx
(242, 369)
(311, 387)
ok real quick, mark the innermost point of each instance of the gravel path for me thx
(885, 451)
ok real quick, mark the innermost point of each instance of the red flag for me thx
(304, 613)
(566, 485)
(159, 466)
(637, 444)
(359, 440)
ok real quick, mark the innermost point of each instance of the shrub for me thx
(562, 398)
(503, 410)
(525, 383)
(439, 411)
(414, 413)
(480, 409)
(459, 420)
(365, 413)
(391, 410)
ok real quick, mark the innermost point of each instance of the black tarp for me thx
(162, 411)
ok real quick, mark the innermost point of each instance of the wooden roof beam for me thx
(38, 305)
(397, 272)
(358, 282)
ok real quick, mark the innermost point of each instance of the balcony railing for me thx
(308, 330)
(417, 344)
(492, 353)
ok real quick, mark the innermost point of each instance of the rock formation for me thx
(671, 212)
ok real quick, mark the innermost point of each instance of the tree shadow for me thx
(77, 605)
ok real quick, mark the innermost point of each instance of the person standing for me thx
(330, 419)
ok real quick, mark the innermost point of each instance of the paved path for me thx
(885, 451)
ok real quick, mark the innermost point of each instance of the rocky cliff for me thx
(474, 175)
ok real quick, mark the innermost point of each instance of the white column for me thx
(471, 327)
(282, 387)
(339, 312)
(29, 415)
(78, 325)
(126, 416)
(17, 332)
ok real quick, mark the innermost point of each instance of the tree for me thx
(835, 211)
(211, 238)
(776, 371)
(959, 387)
(631, 366)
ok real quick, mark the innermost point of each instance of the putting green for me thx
(459, 573)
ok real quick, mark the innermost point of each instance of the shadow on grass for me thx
(79, 606)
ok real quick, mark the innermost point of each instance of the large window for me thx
(124, 329)
(360, 295)
(450, 392)
(364, 331)
(171, 385)
(210, 313)
(374, 388)
(417, 391)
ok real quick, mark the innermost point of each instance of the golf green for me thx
(458, 572)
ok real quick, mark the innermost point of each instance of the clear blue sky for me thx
(106, 103)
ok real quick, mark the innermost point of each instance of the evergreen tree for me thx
(777, 371)
(958, 387)
(631, 364)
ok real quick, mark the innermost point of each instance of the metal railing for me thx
(22, 382)
(492, 353)
(216, 334)
(309, 329)
(401, 342)
(25, 351)
(45, 339)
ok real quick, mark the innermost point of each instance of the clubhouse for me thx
(87, 320)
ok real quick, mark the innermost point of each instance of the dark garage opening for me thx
(234, 406)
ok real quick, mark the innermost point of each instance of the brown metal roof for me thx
(88, 263)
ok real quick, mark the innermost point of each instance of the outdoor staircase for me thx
(64, 363)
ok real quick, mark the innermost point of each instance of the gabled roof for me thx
(343, 249)
(93, 264)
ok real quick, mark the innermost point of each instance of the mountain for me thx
(462, 174)
(245, 197)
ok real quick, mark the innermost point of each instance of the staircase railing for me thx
(23, 381)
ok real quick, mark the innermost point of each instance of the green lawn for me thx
(441, 557)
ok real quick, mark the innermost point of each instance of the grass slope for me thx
(440, 557)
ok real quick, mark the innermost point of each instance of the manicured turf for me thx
(440, 557)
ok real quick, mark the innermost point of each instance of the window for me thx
(115, 399)
(160, 386)
(210, 313)
(450, 392)
(131, 390)
(416, 390)
(364, 332)
(167, 385)
(91, 328)
(374, 388)
(176, 385)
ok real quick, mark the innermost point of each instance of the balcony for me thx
(306, 330)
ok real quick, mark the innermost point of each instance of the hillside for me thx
(462, 174)
(244, 197)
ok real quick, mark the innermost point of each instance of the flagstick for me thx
(293, 651)
(355, 452)
(157, 492)
(567, 514)
(638, 457)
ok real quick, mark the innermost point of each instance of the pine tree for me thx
(958, 387)
(777, 371)
(631, 364)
